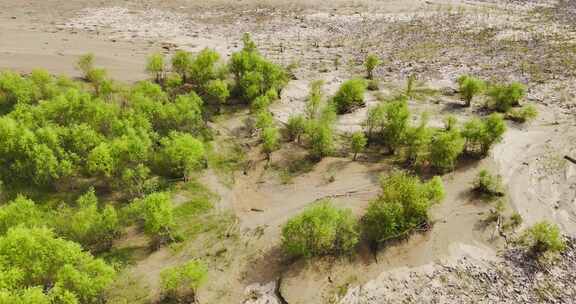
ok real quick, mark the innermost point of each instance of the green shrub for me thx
(481, 135)
(395, 124)
(21, 212)
(314, 99)
(542, 238)
(401, 207)
(155, 214)
(418, 140)
(350, 96)
(523, 114)
(181, 62)
(295, 127)
(155, 66)
(488, 184)
(182, 154)
(181, 283)
(358, 142)
(450, 122)
(35, 259)
(322, 229)
(470, 87)
(370, 64)
(321, 137)
(217, 90)
(270, 140)
(445, 149)
(85, 64)
(504, 97)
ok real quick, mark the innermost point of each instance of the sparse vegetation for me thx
(488, 184)
(370, 64)
(522, 115)
(543, 238)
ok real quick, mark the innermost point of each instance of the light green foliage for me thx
(264, 119)
(183, 114)
(101, 161)
(204, 69)
(182, 154)
(87, 224)
(183, 281)
(488, 184)
(321, 137)
(156, 214)
(270, 140)
(542, 238)
(296, 126)
(450, 122)
(218, 90)
(20, 211)
(15, 89)
(181, 63)
(260, 103)
(35, 258)
(254, 74)
(522, 115)
(358, 142)
(350, 95)
(138, 181)
(418, 140)
(445, 149)
(85, 64)
(322, 229)
(389, 123)
(372, 61)
(155, 66)
(314, 99)
(470, 87)
(481, 135)
(504, 97)
(401, 207)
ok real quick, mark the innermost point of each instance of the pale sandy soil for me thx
(51, 34)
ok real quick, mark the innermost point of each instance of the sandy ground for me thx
(326, 40)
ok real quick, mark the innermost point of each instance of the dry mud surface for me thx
(459, 260)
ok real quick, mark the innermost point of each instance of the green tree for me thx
(401, 207)
(314, 99)
(85, 64)
(156, 215)
(542, 238)
(296, 126)
(470, 87)
(218, 90)
(20, 211)
(488, 184)
(204, 69)
(182, 154)
(321, 229)
(481, 135)
(372, 61)
(445, 149)
(270, 140)
(321, 137)
(35, 258)
(155, 66)
(505, 96)
(357, 143)
(101, 161)
(181, 63)
(350, 95)
(395, 124)
(182, 282)
(418, 140)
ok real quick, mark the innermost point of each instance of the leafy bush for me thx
(270, 140)
(481, 135)
(156, 215)
(20, 211)
(350, 95)
(182, 154)
(357, 143)
(322, 229)
(488, 184)
(254, 74)
(470, 87)
(182, 282)
(542, 238)
(370, 64)
(418, 140)
(321, 137)
(314, 99)
(54, 268)
(218, 90)
(85, 64)
(181, 62)
(155, 66)
(523, 114)
(445, 149)
(401, 207)
(296, 126)
(394, 126)
(504, 97)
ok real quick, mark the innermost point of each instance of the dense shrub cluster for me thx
(323, 229)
